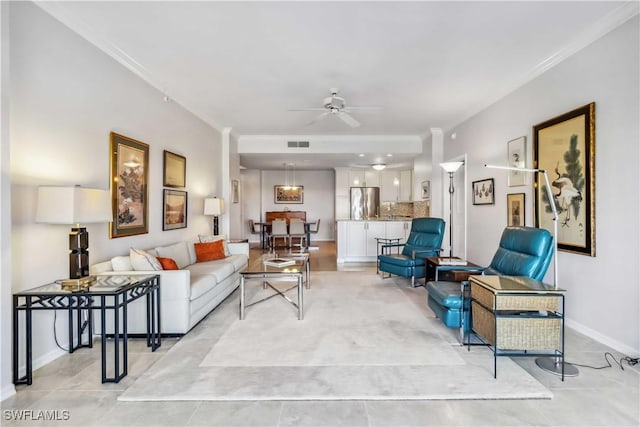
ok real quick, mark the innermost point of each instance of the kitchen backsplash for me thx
(404, 209)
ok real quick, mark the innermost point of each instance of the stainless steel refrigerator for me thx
(365, 202)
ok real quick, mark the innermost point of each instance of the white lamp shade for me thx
(213, 206)
(451, 166)
(73, 205)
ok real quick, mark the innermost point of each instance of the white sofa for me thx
(187, 295)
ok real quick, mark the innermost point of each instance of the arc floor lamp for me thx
(553, 365)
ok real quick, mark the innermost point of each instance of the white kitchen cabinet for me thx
(406, 186)
(356, 178)
(372, 178)
(389, 186)
(342, 182)
(357, 239)
(398, 230)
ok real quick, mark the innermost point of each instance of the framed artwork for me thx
(287, 194)
(174, 170)
(565, 147)
(515, 210)
(516, 149)
(235, 191)
(174, 209)
(426, 190)
(483, 192)
(129, 186)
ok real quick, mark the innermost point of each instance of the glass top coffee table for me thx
(288, 267)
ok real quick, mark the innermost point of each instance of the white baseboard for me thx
(43, 360)
(614, 344)
(7, 392)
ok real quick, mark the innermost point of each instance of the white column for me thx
(438, 185)
(225, 185)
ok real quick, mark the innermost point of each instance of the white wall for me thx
(602, 291)
(251, 202)
(66, 97)
(318, 198)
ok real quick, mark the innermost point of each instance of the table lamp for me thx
(74, 205)
(214, 206)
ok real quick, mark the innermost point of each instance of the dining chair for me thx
(278, 231)
(297, 231)
(313, 228)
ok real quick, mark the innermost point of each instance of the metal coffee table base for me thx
(281, 276)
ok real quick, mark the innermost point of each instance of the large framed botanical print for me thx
(129, 186)
(565, 148)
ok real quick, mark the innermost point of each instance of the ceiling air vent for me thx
(298, 144)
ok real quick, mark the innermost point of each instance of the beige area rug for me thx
(361, 338)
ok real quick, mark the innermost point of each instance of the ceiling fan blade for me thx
(307, 109)
(318, 118)
(348, 119)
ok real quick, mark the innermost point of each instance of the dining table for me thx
(265, 227)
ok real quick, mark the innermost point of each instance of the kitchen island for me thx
(356, 240)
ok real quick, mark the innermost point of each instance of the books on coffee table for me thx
(279, 262)
(451, 261)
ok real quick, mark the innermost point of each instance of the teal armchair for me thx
(522, 251)
(425, 239)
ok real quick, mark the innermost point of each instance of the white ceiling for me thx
(244, 65)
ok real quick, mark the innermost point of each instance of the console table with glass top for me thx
(107, 293)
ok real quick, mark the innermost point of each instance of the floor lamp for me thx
(451, 168)
(548, 364)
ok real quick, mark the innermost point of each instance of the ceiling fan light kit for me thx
(336, 105)
(379, 166)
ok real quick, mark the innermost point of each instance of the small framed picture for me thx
(235, 191)
(515, 210)
(175, 170)
(287, 194)
(426, 190)
(174, 211)
(483, 192)
(517, 159)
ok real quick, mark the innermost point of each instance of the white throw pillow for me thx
(209, 239)
(178, 252)
(142, 261)
(121, 263)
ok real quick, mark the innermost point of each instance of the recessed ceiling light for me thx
(361, 155)
(389, 155)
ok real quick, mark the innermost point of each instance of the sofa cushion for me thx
(201, 284)
(238, 261)
(168, 263)
(220, 269)
(209, 251)
(143, 261)
(178, 252)
(121, 263)
(209, 239)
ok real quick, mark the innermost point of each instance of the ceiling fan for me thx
(335, 105)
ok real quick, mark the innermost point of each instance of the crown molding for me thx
(599, 29)
(84, 30)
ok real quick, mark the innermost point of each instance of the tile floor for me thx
(605, 397)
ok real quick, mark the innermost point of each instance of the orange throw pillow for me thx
(168, 263)
(209, 251)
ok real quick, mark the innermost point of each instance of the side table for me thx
(518, 316)
(437, 268)
(107, 293)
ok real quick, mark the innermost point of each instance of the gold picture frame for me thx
(129, 186)
(174, 209)
(564, 146)
(174, 170)
(286, 194)
(516, 210)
